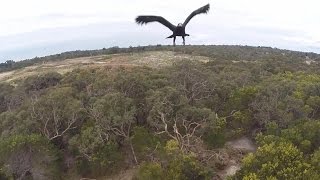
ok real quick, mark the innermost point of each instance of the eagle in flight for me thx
(178, 30)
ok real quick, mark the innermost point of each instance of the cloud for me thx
(36, 23)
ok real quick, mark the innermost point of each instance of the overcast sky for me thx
(41, 27)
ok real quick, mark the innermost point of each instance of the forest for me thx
(169, 123)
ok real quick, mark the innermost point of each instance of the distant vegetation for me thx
(220, 52)
(170, 123)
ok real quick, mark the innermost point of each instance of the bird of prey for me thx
(178, 30)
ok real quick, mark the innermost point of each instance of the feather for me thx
(204, 9)
(147, 19)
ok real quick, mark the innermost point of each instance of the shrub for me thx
(149, 171)
(29, 156)
(214, 139)
(215, 135)
(105, 161)
(175, 165)
(37, 83)
(280, 160)
(144, 142)
(97, 157)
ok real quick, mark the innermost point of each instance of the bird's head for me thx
(180, 24)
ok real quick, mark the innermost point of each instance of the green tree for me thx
(176, 165)
(96, 156)
(149, 171)
(145, 143)
(276, 161)
(114, 117)
(37, 83)
(56, 113)
(172, 116)
(31, 156)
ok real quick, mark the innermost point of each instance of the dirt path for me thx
(244, 145)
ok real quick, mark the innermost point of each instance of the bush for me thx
(144, 142)
(105, 161)
(315, 160)
(186, 167)
(215, 135)
(280, 160)
(149, 171)
(37, 83)
(96, 156)
(175, 165)
(214, 139)
(305, 135)
(29, 156)
(5, 93)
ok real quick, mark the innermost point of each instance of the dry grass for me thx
(6, 75)
(156, 59)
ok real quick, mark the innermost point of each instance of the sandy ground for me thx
(243, 144)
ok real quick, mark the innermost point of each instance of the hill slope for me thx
(153, 56)
(161, 113)
(247, 53)
(154, 59)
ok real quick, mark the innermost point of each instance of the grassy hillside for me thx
(67, 61)
(222, 52)
(154, 59)
(194, 112)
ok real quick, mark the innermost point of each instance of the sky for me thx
(42, 27)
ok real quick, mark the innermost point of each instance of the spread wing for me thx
(201, 10)
(147, 19)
